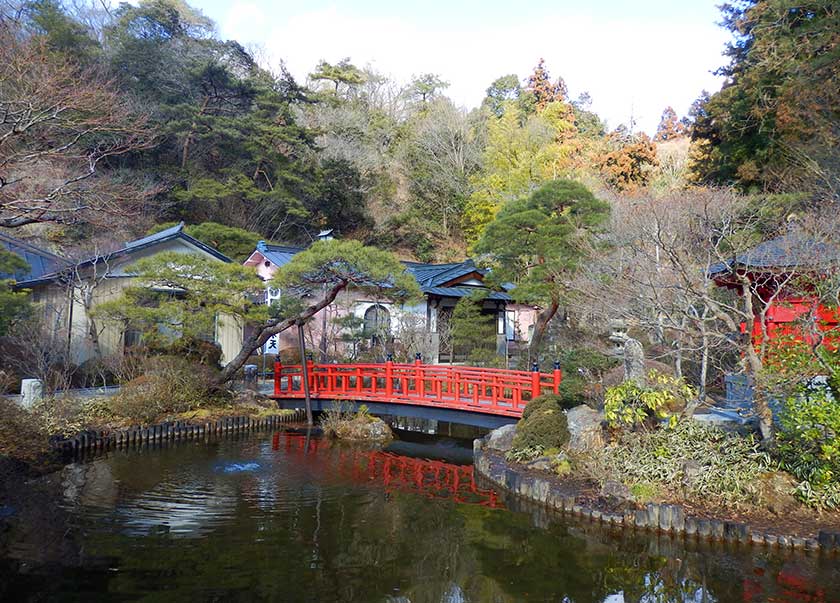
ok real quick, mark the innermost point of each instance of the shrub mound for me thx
(169, 386)
(540, 403)
(545, 427)
(726, 469)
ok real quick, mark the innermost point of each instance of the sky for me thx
(634, 58)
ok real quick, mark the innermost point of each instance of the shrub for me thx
(545, 427)
(540, 402)
(729, 467)
(168, 386)
(631, 404)
(809, 446)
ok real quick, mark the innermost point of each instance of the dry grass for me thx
(22, 435)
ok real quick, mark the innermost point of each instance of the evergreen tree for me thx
(542, 91)
(537, 242)
(774, 122)
(670, 127)
(474, 332)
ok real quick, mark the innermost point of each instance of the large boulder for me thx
(501, 439)
(585, 430)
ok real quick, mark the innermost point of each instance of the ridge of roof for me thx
(160, 235)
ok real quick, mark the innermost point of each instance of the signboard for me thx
(271, 346)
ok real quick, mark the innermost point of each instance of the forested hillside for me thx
(141, 115)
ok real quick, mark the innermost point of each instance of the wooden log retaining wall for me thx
(171, 431)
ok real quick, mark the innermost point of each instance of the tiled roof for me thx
(434, 275)
(430, 277)
(174, 232)
(279, 255)
(782, 252)
(158, 236)
(463, 292)
(40, 261)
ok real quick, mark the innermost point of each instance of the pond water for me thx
(288, 517)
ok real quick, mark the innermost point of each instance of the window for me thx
(377, 323)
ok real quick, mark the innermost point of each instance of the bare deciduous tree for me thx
(59, 124)
(659, 277)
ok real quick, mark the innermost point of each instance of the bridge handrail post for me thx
(278, 376)
(419, 384)
(558, 376)
(389, 375)
(313, 378)
(535, 380)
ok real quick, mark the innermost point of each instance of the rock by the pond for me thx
(542, 463)
(585, 431)
(501, 439)
(370, 429)
(615, 491)
(547, 463)
(691, 470)
(776, 492)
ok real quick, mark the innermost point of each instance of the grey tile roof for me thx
(164, 234)
(787, 251)
(430, 277)
(279, 255)
(463, 292)
(435, 275)
(40, 261)
(174, 232)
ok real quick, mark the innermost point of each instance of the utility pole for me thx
(305, 372)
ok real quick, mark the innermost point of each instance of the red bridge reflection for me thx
(429, 478)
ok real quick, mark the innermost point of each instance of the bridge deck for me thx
(498, 392)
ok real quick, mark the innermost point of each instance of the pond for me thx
(287, 516)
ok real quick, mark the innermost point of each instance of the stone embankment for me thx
(559, 494)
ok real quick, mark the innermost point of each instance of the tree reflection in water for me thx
(315, 521)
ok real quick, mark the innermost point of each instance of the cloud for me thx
(629, 67)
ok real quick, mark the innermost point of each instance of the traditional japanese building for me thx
(442, 286)
(784, 275)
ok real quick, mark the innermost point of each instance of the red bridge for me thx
(484, 390)
(429, 478)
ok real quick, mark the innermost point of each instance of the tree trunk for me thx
(755, 365)
(540, 327)
(185, 151)
(263, 334)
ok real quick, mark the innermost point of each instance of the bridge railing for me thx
(489, 390)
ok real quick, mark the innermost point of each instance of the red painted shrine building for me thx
(786, 278)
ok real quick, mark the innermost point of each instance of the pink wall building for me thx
(355, 327)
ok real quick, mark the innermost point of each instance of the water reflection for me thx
(312, 521)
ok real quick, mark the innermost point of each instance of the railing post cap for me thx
(556, 365)
(389, 358)
(535, 366)
(418, 356)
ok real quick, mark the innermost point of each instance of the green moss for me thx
(644, 491)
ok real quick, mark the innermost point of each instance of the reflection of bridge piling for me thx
(432, 479)
(484, 390)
